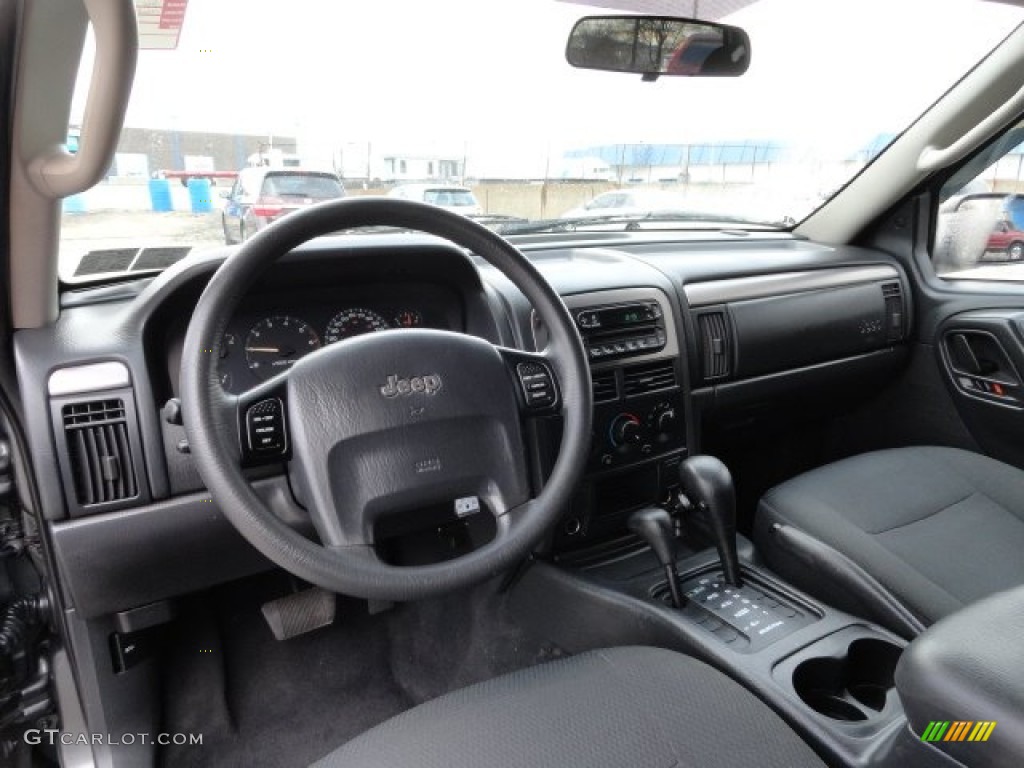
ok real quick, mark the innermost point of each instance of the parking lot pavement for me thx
(85, 232)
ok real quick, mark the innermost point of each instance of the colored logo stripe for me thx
(958, 730)
(982, 731)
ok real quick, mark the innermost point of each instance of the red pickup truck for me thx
(1006, 239)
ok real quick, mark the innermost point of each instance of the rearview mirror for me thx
(658, 45)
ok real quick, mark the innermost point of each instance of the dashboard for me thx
(683, 331)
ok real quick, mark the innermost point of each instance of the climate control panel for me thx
(637, 429)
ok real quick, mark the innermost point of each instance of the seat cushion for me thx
(616, 708)
(939, 528)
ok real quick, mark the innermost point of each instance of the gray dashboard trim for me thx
(128, 558)
(763, 286)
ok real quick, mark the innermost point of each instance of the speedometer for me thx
(354, 321)
(275, 343)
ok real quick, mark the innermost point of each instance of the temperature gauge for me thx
(408, 318)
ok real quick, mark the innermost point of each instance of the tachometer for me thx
(274, 344)
(354, 321)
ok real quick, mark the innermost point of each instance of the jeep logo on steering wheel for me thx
(429, 385)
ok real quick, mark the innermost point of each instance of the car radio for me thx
(621, 330)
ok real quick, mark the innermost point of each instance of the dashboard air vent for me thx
(99, 451)
(606, 386)
(638, 379)
(894, 311)
(715, 344)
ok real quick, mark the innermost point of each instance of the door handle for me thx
(56, 173)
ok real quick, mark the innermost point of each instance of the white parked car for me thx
(628, 202)
(448, 196)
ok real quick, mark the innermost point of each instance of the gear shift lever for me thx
(707, 483)
(654, 525)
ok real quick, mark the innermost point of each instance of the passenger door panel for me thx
(981, 353)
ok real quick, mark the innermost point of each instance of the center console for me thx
(831, 675)
(639, 425)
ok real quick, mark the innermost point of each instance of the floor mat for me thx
(260, 702)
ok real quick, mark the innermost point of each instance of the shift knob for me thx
(654, 525)
(707, 483)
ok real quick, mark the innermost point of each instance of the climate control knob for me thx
(665, 420)
(625, 429)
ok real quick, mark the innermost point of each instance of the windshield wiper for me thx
(637, 221)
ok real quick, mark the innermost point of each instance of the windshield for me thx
(492, 107)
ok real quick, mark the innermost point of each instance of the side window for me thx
(979, 229)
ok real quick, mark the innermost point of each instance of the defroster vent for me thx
(638, 379)
(715, 343)
(99, 451)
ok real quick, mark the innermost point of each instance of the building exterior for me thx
(382, 163)
(143, 152)
(709, 163)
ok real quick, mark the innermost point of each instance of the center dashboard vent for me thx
(715, 344)
(605, 386)
(639, 379)
(99, 451)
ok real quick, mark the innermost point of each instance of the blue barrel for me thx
(200, 195)
(74, 204)
(160, 195)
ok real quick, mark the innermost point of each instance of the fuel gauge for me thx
(227, 345)
(408, 318)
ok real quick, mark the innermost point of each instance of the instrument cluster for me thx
(257, 347)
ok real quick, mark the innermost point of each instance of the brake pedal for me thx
(299, 613)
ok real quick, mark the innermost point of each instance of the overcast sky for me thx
(442, 73)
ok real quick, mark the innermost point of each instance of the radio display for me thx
(624, 316)
(620, 316)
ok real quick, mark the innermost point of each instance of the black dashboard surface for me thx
(369, 281)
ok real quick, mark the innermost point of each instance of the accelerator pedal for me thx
(299, 613)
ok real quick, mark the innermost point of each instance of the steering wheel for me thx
(387, 422)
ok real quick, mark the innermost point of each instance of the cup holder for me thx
(851, 687)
